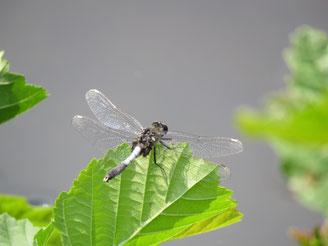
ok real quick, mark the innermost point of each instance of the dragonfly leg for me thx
(166, 146)
(162, 169)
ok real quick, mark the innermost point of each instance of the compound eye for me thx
(165, 128)
(155, 123)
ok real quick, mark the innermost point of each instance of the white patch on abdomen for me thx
(133, 155)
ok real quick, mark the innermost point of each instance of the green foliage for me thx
(319, 236)
(308, 61)
(15, 95)
(18, 208)
(291, 119)
(307, 172)
(16, 232)
(45, 236)
(141, 206)
(295, 121)
(298, 114)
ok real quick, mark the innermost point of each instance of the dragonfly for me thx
(114, 127)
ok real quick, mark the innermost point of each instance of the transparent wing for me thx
(188, 173)
(206, 147)
(113, 117)
(99, 135)
(224, 171)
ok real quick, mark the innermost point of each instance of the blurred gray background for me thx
(190, 64)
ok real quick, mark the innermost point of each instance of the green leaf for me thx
(308, 61)
(15, 95)
(4, 66)
(307, 173)
(295, 120)
(288, 119)
(299, 114)
(141, 206)
(16, 232)
(318, 237)
(19, 208)
(45, 236)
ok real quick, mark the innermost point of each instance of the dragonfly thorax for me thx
(149, 136)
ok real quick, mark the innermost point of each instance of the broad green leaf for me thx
(141, 206)
(15, 95)
(16, 232)
(295, 120)
(299, 114)
(212, 223)
(45, 236)
(292, 120)
(19, 208)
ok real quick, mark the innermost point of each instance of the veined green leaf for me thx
(19, 208)
(16, 232)
(43, 236)
(141, 206)
(15, 95)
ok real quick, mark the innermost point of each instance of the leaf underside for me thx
(46, 236)
(19, 208)
(16, 232)
(15, 95)
(140, 206)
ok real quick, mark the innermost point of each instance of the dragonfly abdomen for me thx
(120, 168)
(136, 151)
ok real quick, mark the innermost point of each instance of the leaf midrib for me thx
(6, 224)
(66, 229)
(144, 192)
(92, 212)
(20, 101)
(160, 211)
(117, 208)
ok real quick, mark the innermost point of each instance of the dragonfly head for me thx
(160, 127)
